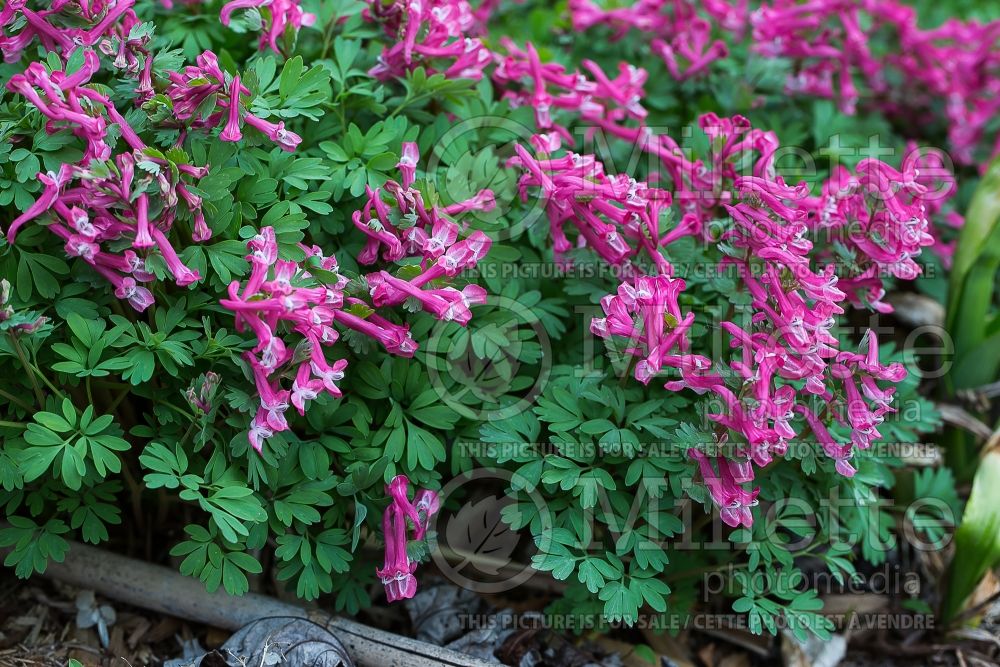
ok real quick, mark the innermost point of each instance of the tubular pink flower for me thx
(427, 504)
(328, 375)
(273, 402)
(225, 16)
(394, 338)
(276, 132)
(183, 276)
(840, 453)
(259, 433)
(231, 132)
(379, 235)
(397, 573)
(483, 201)
(53, 182)
(733, 501)
(408, 163)
(143, 237)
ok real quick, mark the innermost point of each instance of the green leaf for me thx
(973, 282)
(33, 544)
(290, 76)
(977, 540)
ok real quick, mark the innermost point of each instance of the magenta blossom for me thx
(277, 16)
(645, 313)
(733, 501)
(109, 213)
(397, 574)
(197, 85)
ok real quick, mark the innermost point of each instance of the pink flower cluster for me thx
(787, 340)
(58, 28)
(615, 216)
(702, 184)
(834, 47)
(65, 101)
(879, 215)
(440, 35)
(205, 83)
(99, 203)
(932, 172)
(434, 34)
(725, 487)
(682, 38)
(277, 17)
(877, 212)
(645, 312)
(282, 291)
(829, 42)
(427, 234)
(397, 574)
(598, 99)
(292, 312)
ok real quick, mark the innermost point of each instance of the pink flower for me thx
(231, 132)
(304, 389)
(53, 182)
(733, 501)
(277, 15)
(397, 573)
(259, 433)
(276, 132)
(639, 313)
(138, 297)
(408, 163)
(328, 376)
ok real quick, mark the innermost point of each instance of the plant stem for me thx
(117, 401)
(176, 409)
(15, 400)
(328, 36)
(39, 395)
(48, 383)
(13, 424)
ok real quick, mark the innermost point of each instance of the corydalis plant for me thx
(682, 37)
(291, 308)
(202, 96)
(94, 205)
(830, 43)
(187, 186)
(57, 27)
(789, 360)
(870, 52)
